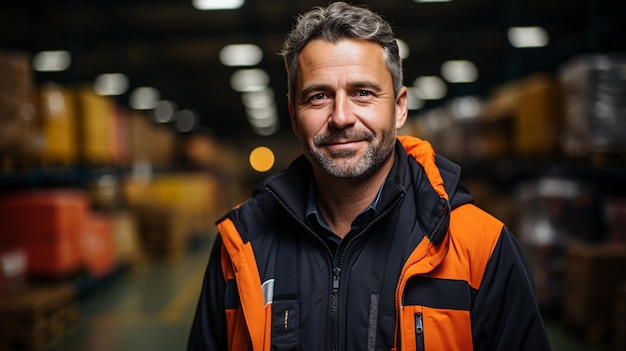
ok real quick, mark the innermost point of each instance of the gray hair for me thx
(333, 23)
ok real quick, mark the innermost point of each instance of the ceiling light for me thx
(52, 61)
(217, 4)
(528, 37)
(403, 48)
(263, 117)
(165, 111)
(258, 99)
(414, 99)
(110, 84)
(267, 131)
(466, 107)
(430, 87)
(144, 98)
(241, 55)
(186, 121)
(459, 71)
(248, 80)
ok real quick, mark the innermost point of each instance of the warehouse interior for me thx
(128, 127)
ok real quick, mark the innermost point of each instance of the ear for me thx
(292, 116)
(402, 107)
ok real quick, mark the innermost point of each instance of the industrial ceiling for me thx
(174, 47)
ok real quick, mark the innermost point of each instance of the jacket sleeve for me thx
(208, 331)
(505, 315)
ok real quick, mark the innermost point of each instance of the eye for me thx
(318, 98)
(363, 95)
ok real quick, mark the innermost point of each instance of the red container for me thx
(98, 248)
(53, 260)
(47, 225)
(42, 217)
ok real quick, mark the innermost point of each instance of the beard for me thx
(342, 164)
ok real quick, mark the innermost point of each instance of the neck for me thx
(342, 199)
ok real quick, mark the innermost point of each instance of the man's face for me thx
(345, 113)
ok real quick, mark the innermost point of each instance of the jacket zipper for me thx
(334, 309)
(336, 269)
(401, 278)
(419, 332)
(334, 316)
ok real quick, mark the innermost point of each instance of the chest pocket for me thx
(437, 312)
(285, 304)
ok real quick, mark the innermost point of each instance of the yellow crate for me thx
(58, 121)
(95, 127)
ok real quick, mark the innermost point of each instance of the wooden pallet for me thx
(38, 318)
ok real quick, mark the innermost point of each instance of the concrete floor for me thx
(152, 309)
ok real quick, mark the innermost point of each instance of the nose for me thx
(342, 115)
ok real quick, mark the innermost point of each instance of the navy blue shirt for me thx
(317, 220)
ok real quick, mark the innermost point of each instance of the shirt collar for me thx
(314, 215)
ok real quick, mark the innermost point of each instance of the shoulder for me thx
(474, 235)
(474, 228)
(475, 220)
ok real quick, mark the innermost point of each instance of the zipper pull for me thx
(419, 332)
(336, 273)
(419, 324)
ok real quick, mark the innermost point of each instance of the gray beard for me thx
(337, 166)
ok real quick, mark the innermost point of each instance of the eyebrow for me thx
(315, 87)
(353, 85)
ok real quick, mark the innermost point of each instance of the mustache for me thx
(342, 135)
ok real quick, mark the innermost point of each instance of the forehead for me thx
(346, 57)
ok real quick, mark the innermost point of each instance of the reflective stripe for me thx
(268, 291)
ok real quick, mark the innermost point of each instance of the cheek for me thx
(310, 124)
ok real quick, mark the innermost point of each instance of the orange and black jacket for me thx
(428, 271)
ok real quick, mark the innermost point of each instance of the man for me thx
(368, 241)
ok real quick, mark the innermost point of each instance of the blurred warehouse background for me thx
(128, 127)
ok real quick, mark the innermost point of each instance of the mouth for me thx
(342, 142)
(342, 147)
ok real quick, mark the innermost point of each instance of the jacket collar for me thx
(291, 186)
(433, 179)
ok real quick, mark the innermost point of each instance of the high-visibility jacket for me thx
(429, 271)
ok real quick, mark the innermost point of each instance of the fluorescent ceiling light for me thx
(459, 71)
(144, 98)
(466, 107)
(414, 100)
(52, 61)
(241, 55)
(403, 47)
(217, 4)
(110, 84)
(430, 88)
(267, 131)
(528, 37)
(186, 120)
(262, 117)
(165, 111)
(258, 99)
(248, 80)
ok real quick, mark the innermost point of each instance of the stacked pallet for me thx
(18, 117)
(38, 318)
(594, 87)
(162, 232)
(593, 277)
(619, 320)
